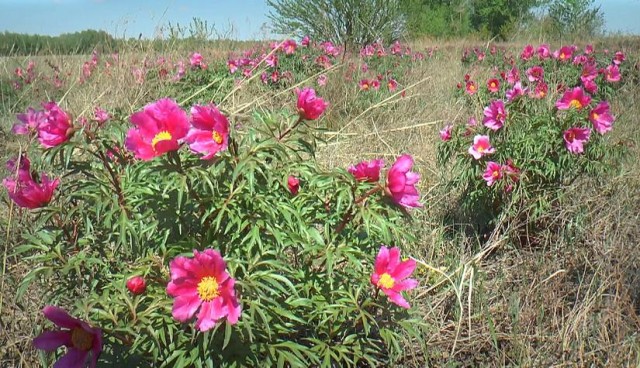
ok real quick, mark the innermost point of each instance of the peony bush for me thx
(176, 237)
(540, 122)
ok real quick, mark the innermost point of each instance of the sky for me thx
(239, 19)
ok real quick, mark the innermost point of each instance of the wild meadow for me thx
(294, 204)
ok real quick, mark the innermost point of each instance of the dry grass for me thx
(572, 299)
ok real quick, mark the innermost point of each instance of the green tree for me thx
(439, 18)
(345, 22)
(499, 18)
(572, 17)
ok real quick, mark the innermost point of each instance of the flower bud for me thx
(136, 285)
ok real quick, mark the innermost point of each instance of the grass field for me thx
(568, 295)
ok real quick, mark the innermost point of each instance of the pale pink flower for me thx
(445, 133)
(481, 147)
(29, 122)
(515, 92)
(322, 80)
(401, 182)
(601, 118)
(612, 73)
(575, 138)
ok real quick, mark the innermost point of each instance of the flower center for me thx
(576, 104)
(217, 137)
(208, 288)
(162, 136)
(595, 116)
(480, 149)
(81, 339)
(571, 137)
(386, 281)
(496, 174)
(562, 56)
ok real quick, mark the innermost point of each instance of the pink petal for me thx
(209, 314)
(404, 269)
(185, 306)
(397, 298)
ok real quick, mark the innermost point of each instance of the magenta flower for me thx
(494, 115)
(513, 76)
(540, 91)
(493, 85)
(209, 133)
(202, 282)
(481, 146)
(368, 171)
(515, 92)
(289, 46)
(445, 133)
(305, 41)
(588, 49)
(196, 60)
(575, 138)
(589, 72)
(543, 52)
(590, 86)
(136, 285)
(364, 85)
(56, 127)
(618, 58)
(390, 275)
(601, 118)
(27, 191)
(565, 53)
(83, 342)
(293, 184)
(310, 107)
(401, 182)
(492, 173)
(29, 122)
(375, 84)
(612, 73)
(535, 73)
(159, 127)
(101, 115)
(573, 98)
(527, 52)
(232, 65)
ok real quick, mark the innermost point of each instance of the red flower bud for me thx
(136, 285)
(294, 184)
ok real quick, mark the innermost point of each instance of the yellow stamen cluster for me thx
(208, 288)
(217, 137)
(576, 104)
(162, 136)
(386, 281)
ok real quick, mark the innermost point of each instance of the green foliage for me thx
(343, 22)
(301, 262)
(576, 17)
(439, 18)
(83, 42)
(499, 18)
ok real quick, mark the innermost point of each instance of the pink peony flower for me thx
(573, 98)
(540, 91)
(390, 275)
(101, 115)
(494, 115)
(535, 73)
(618, 58)
(232, 65)
(392, 84)
(575, 138)
(543, 52)
(83, 342)
(565, 53)
(209, 133)
(55, 127)
(481, 146)
(471, 88)
(322, 80)
(612, 73)
(293, 184)
(305, 41)
(401, 182)
(364, 85)
(601, 118)
(493, 85)
(196, 60)
(588, 49)
(492, 173)
(368, 171)
(29, 122)
(590, 86)
(589, 72)
(289, 47)
(445, 133)
(513, 76)
(25, 190)
(158, 129)
(515, 92)
(310, 107)
(202, 282)
(527, 52)
(375, 84)
(136, 285)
